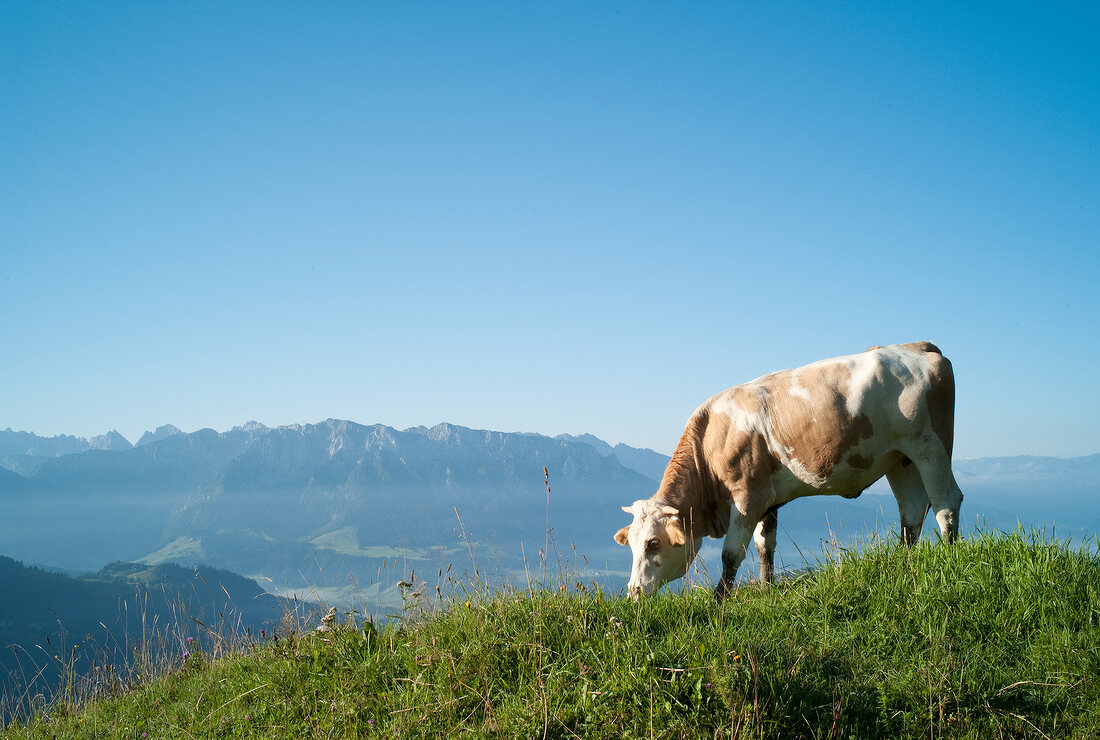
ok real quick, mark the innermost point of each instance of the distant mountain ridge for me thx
(264, 500)
(15, 445)
(649, 463)
(312, 503)
(161, 432)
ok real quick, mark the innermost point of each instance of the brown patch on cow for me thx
(675, 533)
(814, 426)
(716, 464)
(941, 401)
(922, 347)
(872, 349)
(686, 485)
(747, 398)
(860, 462)
(741, 464)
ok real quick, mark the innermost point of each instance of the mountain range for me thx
(307, 505)
(342, 510)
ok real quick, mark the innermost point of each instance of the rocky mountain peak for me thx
(161, 432)
(112, 440)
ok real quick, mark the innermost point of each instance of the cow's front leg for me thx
(764, 536)
(733, 552)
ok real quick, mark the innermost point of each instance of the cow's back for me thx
(835, 425)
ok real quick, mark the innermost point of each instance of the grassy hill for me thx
(998, 636)
(98, 629)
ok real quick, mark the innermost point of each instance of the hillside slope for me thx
(993, 637)
(55, 627)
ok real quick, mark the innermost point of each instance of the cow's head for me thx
(659, 546)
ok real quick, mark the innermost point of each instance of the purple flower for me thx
(186, 654)
(262, 633)
(190, 640)
(706, 685)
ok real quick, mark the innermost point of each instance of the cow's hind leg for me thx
(764, 537)
(943, 492)
(908, 488)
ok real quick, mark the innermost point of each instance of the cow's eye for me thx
(653, 545)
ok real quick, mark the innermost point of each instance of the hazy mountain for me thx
(81, 510)
(1076, 470)
(112, 440)
(24, 452)
(333, 497)
(335, 503)
(643, 460)
(362, 494)
(27, 443)
(166, 430)
(591, 440)
(11, 480)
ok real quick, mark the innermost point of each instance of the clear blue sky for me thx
(551, 217)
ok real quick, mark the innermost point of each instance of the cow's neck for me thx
(689, 485)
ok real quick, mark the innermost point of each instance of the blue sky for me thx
(553, 217)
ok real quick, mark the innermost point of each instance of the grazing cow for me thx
(832, 427)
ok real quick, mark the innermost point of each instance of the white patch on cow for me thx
(797, 390)
(863, 369)
(724, 404)
(912, 396)
(800, 472)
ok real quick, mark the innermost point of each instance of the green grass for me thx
(997, 636)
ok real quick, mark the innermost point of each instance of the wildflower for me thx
(190, 639)
(263, 634)
(328, 621)
(186, 655)
(616, 621)
(707, 685)
(467, 603)
(248, 718)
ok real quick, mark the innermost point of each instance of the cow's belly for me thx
(792, 481)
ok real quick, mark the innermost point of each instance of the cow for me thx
(831, 427)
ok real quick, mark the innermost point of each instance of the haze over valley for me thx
(344, 510)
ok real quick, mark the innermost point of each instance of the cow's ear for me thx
(623, 536)
(675, 532)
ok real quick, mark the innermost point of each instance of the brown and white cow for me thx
(832, 427)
